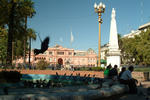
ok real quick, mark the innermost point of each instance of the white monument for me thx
(113, 54)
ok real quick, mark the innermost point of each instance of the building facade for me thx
(60, 55)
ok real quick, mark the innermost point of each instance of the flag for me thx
(72, 38)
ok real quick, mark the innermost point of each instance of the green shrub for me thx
(142, 69)
(10, 76)
(42, 64)
(98, 69)
(91, 68)
(83, 68)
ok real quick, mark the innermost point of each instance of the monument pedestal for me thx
(113, 58)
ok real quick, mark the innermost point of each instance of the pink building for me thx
(59, 54)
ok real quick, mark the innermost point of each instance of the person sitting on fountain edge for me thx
(123, 69)
(113, 73)
(106, 72)
(126, 78)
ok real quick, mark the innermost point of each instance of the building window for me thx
(60, 53)
(69, 59)
(89, 59)
(50, 53)
(70, 53)
(83, 59)
(93, 60)
(50, 59)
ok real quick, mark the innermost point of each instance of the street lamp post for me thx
(99, 9)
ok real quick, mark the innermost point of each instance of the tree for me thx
(128, 50)
(136, 50)
(17, 45)
(3, 42)
(13, 15)
(42, 64)
(31, 35)
(119, 41)
(143, 47)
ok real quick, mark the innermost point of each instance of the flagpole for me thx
(71, 41)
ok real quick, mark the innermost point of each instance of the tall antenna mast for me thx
(39, 37)
(141, 12)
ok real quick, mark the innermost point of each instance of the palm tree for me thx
(13, 15)
(31, 35)
(28, 8)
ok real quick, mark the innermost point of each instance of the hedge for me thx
(90, 68)
(10, 76)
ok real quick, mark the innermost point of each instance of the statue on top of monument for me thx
(113, 15)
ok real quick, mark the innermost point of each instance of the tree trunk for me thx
(29, 49)
(25, 40)
(10, 34)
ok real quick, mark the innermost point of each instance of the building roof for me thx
(79, 53)
(144, 26)
(83, 53)
(132, 34)
(58, 47)
(138, 31)
(90, 50)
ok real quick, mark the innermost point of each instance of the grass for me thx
(142, 69)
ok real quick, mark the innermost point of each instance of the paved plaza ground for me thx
(138, 96)
(142, 95)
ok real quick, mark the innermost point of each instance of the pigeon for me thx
(44, 46)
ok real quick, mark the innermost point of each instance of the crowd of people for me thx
(124, 77)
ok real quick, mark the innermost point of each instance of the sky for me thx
(58, 18)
